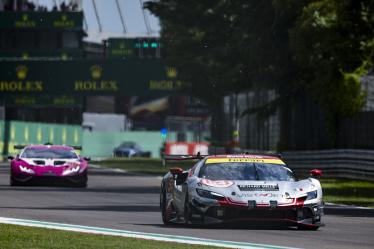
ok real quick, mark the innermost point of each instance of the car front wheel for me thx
(164, 212)
(187, 210)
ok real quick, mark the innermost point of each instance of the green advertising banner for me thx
(63, 54)
(88, 77)
(40, 101)
(42, 20)
(143, 47)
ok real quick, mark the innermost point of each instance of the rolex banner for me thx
(41, 20)
(88, 77)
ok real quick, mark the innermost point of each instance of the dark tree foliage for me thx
(221, 47)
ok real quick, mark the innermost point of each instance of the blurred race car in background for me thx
(240, 188)
(130, 149)
(48, 164)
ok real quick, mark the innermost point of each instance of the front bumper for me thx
(300, 214)
(28, 179)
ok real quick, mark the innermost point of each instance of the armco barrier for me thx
(340, 163)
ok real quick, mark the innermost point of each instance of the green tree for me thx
(333, 45)
(220, 47)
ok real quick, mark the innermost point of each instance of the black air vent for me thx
(39, 162)
(59, 162)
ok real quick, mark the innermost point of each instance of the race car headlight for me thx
(209, 194)
(26, 170)
(311, 195)
(71, 170)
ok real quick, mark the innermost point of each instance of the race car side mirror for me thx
(10, 157)
(176, 171)
(87, 158)
(316, 172)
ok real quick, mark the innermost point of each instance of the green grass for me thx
(143, 165)
(350, 192)
(19, 237)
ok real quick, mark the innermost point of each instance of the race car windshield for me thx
(49, 153)
(246, 172)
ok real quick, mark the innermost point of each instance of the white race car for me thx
(242, 188)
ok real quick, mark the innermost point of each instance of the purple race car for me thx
(48, 164)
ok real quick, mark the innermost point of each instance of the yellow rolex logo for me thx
(171, 72)
(121, 45)
(96, 71)
(25, 56)
(25, 17)
(21, 72)
(64, 18)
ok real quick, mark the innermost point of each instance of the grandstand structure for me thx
(58, 61)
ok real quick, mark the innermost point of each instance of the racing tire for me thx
(82, 183)
(187, 211)
(14, 182)
(164, 214)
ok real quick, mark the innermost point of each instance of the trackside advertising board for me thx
(149, 77)
(185, 148)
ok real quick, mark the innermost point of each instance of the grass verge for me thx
(19, 237)
(350, 192)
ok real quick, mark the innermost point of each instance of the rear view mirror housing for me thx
(316, 172)
(176, 171)
(179, 175)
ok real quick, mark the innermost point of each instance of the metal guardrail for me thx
(340, 163)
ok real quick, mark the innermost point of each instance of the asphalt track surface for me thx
(131, 202)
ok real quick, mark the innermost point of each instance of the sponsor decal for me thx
(170, 84)
(25, 22)
(249, 195)
(122, 50)
(258, 187)
(64, 22)
(96, 83)
(244, 160)
(171, 72)
(21, 84)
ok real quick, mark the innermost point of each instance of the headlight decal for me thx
(71, 170)
(208, 194)
(26, 169)
(311, 195)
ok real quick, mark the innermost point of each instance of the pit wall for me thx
(95, 144)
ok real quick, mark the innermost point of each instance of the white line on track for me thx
(140, 235)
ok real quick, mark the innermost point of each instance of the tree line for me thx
(318, 47)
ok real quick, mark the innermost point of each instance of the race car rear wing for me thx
(165, 158)
(20, 147)
(183, 157)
